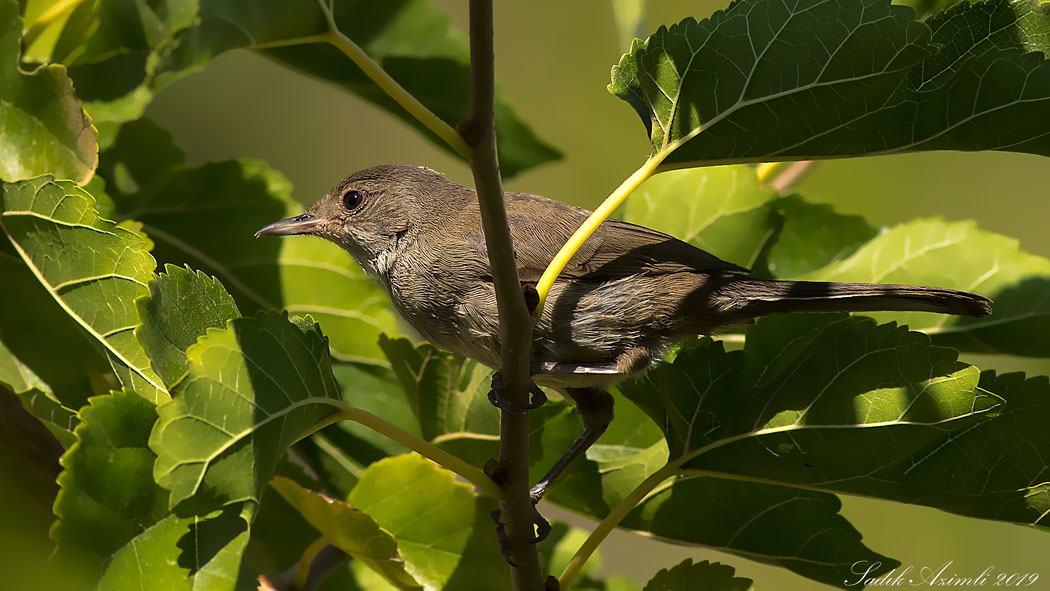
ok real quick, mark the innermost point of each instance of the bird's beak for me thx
(300, 224)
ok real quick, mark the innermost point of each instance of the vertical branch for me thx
(514, 318)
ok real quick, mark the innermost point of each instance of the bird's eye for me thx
(352, 200)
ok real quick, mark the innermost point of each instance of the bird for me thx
(627, 296)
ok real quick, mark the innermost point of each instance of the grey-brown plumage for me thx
(624, 298)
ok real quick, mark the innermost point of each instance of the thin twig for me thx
(387, 84)
(514, 318)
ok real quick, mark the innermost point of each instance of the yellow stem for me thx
(617, 197)
(49, 16)
(394, 90)
(572, 570)
(767, 171)
(421, 446)
(302, 570)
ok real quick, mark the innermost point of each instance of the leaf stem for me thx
(515, 322)
(614, 200)
(306, 561)
(605, 527)
(421, 446)
(49, 16)
(377, 74)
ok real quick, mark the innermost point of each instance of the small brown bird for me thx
(627, 295)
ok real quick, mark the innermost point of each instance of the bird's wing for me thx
(540, 226)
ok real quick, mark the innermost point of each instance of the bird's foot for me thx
(499, 400)
(543, 529)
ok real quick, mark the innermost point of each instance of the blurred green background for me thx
(553, 61)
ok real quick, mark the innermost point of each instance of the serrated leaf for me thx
(36, 397)
(94, 269)
(813, 235)
(442, 526)
(207, 216)
(800, 530)
(113, 518)
(995, 469)
(251, 390)
(722, 210)
(838, 404)
(699, 576)
(962, 256)
(181, 554)
(725, 211)
(819, 401)
(44, 339)
(970, 29)
(350, 530)
(43, 129)
(138, 49)
(827, 79)
(447, 393)
(107, 495)
(180, 308)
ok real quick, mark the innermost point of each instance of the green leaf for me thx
(180, 308)
(827, 79)
(725, 211)
(182, 554)
(108, 496)
(43, 129)
(721, 210)
(207, 216)
(137, 49)
(817, 401)
(967, 30)
(94, 269)
(699, 576)
(46, 340)
(800, 530)
(961, 256)
(447, 393)
(350, 530)
(251, 390)
(441, 525)
(813, 235)
(36, 397)
(995, 469)
(113, 518)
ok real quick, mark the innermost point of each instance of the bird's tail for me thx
(752, 297)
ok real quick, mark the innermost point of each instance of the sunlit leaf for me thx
(350, 530)
(207, 216)
(960, 255)
(94, 269)
(36, 397)
(447, 393)
(722, 210)
(179, 309)
(764, 81)
(251, 390)
(113, 519)
(43, 129)
(137, 49)
(442, 526)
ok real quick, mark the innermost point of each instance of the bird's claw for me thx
(496, 397)
(543, 529)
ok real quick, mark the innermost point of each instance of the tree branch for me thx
(514, 318)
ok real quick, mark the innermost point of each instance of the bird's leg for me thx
(498, 400)
(596, 410)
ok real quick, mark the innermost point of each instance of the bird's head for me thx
(368, 212)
